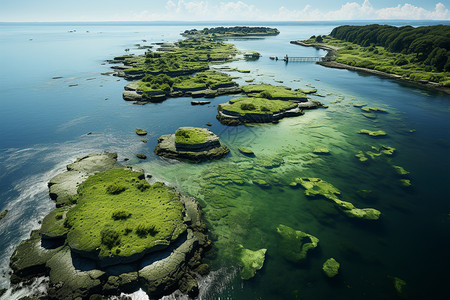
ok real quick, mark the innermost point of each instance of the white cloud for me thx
(408, 11)
(365, 11)
(204, 10)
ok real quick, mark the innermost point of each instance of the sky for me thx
(223, 10)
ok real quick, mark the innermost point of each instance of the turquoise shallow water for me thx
(44, 122)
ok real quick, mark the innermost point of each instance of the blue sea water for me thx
(44, 125)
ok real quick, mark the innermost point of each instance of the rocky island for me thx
(176, 70)
(264, 103)
(113, 232)
(237, 31)
(192, 144)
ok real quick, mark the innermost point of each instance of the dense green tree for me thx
(430, 44)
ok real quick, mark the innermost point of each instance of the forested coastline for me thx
(429, 44)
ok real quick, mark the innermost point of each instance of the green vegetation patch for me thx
(252, 105)
(162, 83)
(331, 267)
(369, 109)
(251, 261)
(373, 133)
(187, 56)
(273, 92)
(316, 187)
(112, 222)
(295, 244)
(191, 135)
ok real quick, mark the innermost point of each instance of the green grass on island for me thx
(416, 54)
(164, 84)
(253, 105)
(191, 136)
(232, 31)
(118, 214)
(273, 92)
(188, 56)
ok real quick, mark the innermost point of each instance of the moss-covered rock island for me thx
(175, 70)
(264, 103)
(191, 144)
(113, 232)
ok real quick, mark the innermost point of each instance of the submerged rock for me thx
(405, 183)
(193, 102)
(370, 115)
(373, 133)
(295, 244)
(389, 151)
(246, 151)
(399, 286)
(321, 150)
(3, 214)
(331, 267)
(192, 144)
(400, 171)
(141, 156)
(251, 261)
(369, 109)
(361, 156)
(141, 131)
(317, 187)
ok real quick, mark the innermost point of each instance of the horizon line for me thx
(232, 21)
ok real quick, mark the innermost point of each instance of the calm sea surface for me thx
(44, 125)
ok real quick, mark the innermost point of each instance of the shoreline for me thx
(333, 64)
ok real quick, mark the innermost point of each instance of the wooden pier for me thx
(306, 59)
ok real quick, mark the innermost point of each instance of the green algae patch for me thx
(364, 156)
(315, 187)
(386, 150)
(399, 286)
(331, 267)
(246, 151)
(369, 115)
(358, 104)
(406, 183)
(247, 105)
(274, 92)
(308, 91)
(373, 133)
(369, 109)
(251, 261)
(321, 150)
(400, 171)
(361, 156)
(295, 244)
(140, 217)
(318, 187)
(191, 136)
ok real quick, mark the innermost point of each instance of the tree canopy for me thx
(430, 44)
